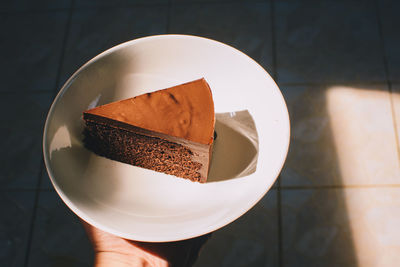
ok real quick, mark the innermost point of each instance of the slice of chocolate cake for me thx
(169, 130)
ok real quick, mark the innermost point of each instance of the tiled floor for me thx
(337, 62)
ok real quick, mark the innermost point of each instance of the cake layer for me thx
(144, 151)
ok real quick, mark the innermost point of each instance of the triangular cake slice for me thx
(169, 130)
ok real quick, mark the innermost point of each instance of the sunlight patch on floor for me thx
(362, 128)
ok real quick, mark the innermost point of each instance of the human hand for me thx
(115, 251)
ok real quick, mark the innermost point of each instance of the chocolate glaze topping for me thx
(184, 111)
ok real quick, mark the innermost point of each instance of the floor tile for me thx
(25, 5)
(58, 238)
(389, 15)
(245, 26)
(252, 240)
(328, 41)
(22, 120)
(16, 209)
(107, 3)
(31, 50)
(336, 136)
(95, 30)
(341, 227)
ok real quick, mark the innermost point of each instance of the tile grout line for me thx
(382, 44)
(344, 83)
(33, 11)
(278, 187)
(64, 47)
(279, 219)
(273, 43)
(33, 217)
(47, 190)
(61, 9)
(18, 190)
(299, 187)
(169, 10)
(387, 73)
(23, 92)
(216, 2)
(42, 169)
(122, 6)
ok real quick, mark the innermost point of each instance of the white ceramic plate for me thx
(253, 137)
